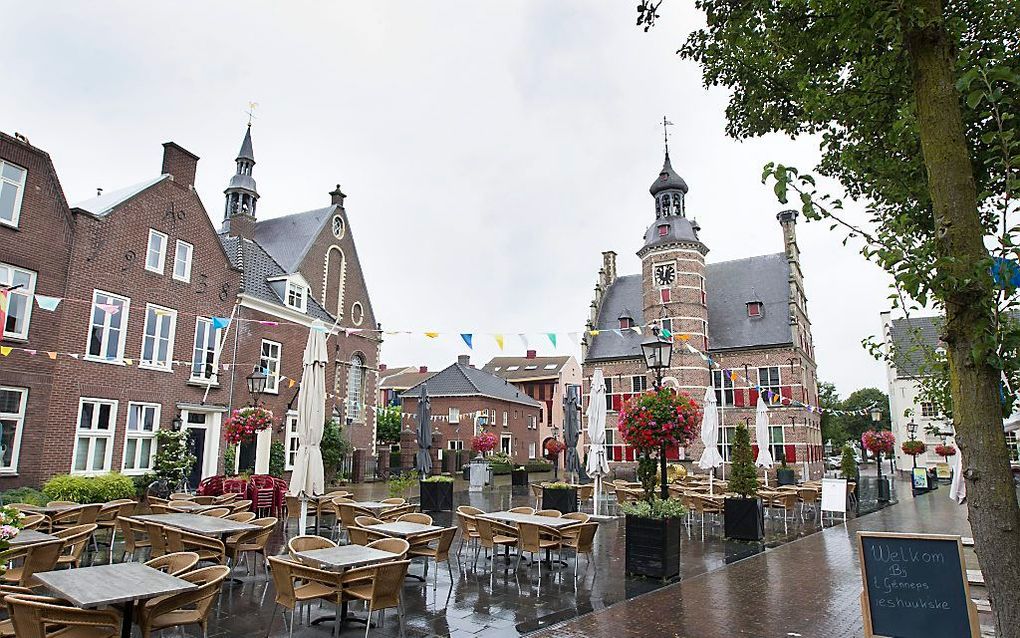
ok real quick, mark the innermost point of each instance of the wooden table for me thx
(403, 529)
(89, 587)
(205, 525)
(48, 510)
(29, 536)
(514, 517)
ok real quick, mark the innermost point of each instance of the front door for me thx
(196, 441)
(204, 428)
(246, 457)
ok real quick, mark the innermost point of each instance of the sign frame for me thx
(834, 484)
(972, 614)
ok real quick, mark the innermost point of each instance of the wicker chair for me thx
(210, 500)
(379, 587)
(365, 521)
(107, 519)
(394, 501)
(174, 564)
(186, 608)
(315, 584)
(223, 499)
(33, 521)
(415, 517)
(252, 542)
(216, 512)
(157, 539)
(393, 514)
(585, 493)
(7, 625)
(37, 558)
(34, 617)
(136, 536)
(180, 506)
(240, 517)
(440, 552)
(75, 539)
(207, 548)
(582, 541)
(239, 506)
(534, 538)
(549, 513)
(181, 496)
(522, 510)
(493, 535)
(467, 525)
(808, 498)
(308, 543)
(81, 515)
(396, 546)
(536, 493)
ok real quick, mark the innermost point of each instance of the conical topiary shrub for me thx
(744, 519)
(743, 477)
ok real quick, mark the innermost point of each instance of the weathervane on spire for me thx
(665, 133)
(251, 111)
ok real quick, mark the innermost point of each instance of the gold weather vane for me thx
(665, 133)
(251, 111)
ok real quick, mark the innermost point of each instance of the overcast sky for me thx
(489, 150)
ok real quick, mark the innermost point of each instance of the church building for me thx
(740, 327)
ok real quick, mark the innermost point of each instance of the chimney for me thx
(337, 197)
(382, 367)
(423, 369)
(609, 268)
(179, 164)
(464, 360)
(531, 354)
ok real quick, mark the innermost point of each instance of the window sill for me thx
(142, 366)
(134, 472)
(112, 362)
(12, 225)
(89, 472)
(183, 281)
(202, 383)
(158, 273)
(14, 339)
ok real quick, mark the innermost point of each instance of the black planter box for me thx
(744, 519)
(518, 477)
(564, 500)
(883, 489)
(653, 547)
(786, 477)
(436, 496)
(466, 471)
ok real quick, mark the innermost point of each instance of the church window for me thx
(338, 226)
(722, 383)
(755, 309)
(356, 388)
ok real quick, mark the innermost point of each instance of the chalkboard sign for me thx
(915, 585)
(919, 476)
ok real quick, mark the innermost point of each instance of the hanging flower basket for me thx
(244, 424)
(945, 450)
(656, 419)
(483, 443)
(913, 448)
(553, 447)
(880, 442)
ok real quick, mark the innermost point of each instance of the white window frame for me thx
(455, 444)
(92, 434)
(509, 438)
(140, 435)
(532, 450)
(185, 276)
(355, 409)
(16, 212)
(271, 365)
(506, 418)
(927, 410)
(19, 426)
(300, 294)
(26, 292)
(609, 393)
(777, 388)
(160, 313)
(454, 415)
(161, 254)
(290, 439)
(334, 223)
(634, 383)
(202, 356)
(105, 327)
(722, 384)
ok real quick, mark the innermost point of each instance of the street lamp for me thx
(912, 431)
(257, 385)
(177, 423)
(658, 354)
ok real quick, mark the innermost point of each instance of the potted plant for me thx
(559, 496)
(653, 537)
(436, 493)
(652, 422)
(914, 447)
(785, 474)
(10, 526)
(744, 518)
(481, 443)
(399, 485)
(519, 476)
(879, 443)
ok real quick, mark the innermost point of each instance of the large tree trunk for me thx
(974, 384)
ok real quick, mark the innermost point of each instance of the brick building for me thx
(161, 317)
(394, 381)
(748, 315)
(544, 379)
(465, 400)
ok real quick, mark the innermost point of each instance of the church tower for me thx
(241, 195)
(673, 279)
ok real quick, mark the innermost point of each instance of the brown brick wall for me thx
(517, 422)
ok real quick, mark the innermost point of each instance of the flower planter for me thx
(466, 472)
(652, 546)
(519, 477)
(883, 489)
(564, 500)
(436, 496)
(744, 519)
(786, 477)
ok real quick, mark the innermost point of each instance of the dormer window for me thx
(663, 230)
(626, 322)
(755, 309)
(296, 297)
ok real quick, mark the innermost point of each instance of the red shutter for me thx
(786, 391)
(738, 398)
(617, 402)
(754, 398)
(754, 450)
(673, 453)
(791, 453)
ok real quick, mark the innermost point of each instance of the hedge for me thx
(28, 495)
(89, 489)
(501, 469)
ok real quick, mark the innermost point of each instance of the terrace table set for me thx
(205, 525)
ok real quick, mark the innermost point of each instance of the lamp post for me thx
(177, 423)
(658, 354)
(256, 385)
(912, 431)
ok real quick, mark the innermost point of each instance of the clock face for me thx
(665, 274)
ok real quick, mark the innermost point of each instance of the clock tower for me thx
(673, 280)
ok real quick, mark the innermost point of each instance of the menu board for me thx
(915, 585)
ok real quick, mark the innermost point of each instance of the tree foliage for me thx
(743, 478)
(387, 424)
(335, 448)
(828, 400)
(174, 457)
(864, 400)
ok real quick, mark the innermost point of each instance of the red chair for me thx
(236, 486)
(212, 486)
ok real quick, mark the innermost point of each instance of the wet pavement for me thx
(497, 601)
(809, 587)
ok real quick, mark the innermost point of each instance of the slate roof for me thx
(667, 179)
(911, 339)
(459, 380)
(246, 151)
(681, 229)
(289, 238)
(256, 266)
(544, 367)
(104, 204)
(729, 286)
(404, 379)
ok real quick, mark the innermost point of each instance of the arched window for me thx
(334, 269)
(356, 388)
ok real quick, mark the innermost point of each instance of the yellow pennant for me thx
(684, 338)
(290, 383)
(5, 350)
(499, 341)
(431, 335)
(129, 362)
(593, 333)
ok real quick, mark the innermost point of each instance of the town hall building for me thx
(747, 316)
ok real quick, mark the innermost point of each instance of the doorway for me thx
(203, 427)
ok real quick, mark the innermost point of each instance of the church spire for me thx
(241, 194)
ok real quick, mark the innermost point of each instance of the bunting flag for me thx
(666, 333)
(108, 308)
(467, 339)
(499, 341)
(47, 303)
(5, 350)
(594, 333)
(52, 355)
(431, 335)
(575, 337)
(268, 323)
(552, 338)
(219, 323)
(524, 340)
(3, 311)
